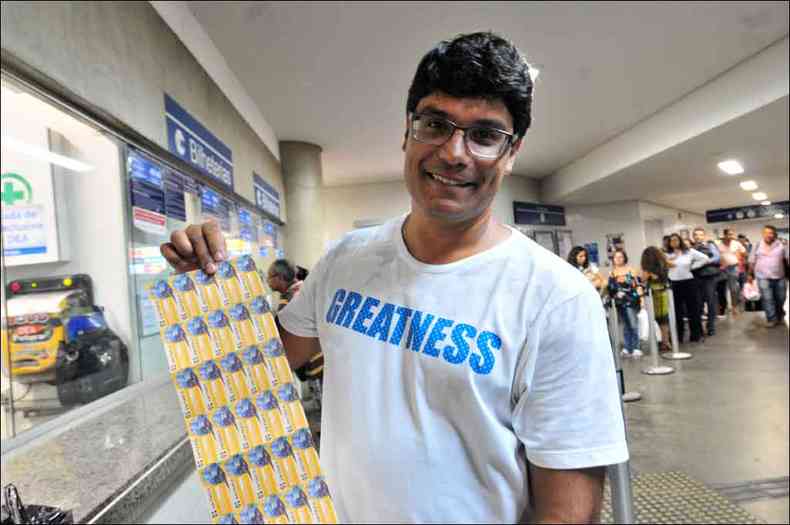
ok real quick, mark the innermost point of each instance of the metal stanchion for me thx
(656, 369)
(614, 337)
(673, 332)
(620, 474)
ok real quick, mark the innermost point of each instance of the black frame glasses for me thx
(416, 117)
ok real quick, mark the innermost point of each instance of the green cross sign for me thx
(15, 188)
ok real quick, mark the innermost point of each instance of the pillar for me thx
(301, 169)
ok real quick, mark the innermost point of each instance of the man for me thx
(282, 279)
(732, 253)
(767, 261)
(456, 348)
(708, 276)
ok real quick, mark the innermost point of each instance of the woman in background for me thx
(684, 286)
(626, 293)
(578, 259)
(655, 274)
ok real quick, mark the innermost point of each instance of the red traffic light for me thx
(15, 287)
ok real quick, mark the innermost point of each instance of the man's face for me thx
(730, 235)
(480, 177)
(699, 235)
(768, 235)
(276, 282)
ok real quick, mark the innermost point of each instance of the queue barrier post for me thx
(655, 369)
(620, 474)
(614, 337)
(675, 354)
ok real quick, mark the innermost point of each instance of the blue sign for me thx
(538, 214)
(146, 180)
(215, 205)
(192, 142)
(174, 196)
(745, 213)
(266, 197)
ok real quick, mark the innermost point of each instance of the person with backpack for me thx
(768, 263)
(708, 277)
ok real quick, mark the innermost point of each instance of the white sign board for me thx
(30, 234)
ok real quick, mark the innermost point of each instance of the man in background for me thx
(708, 276)
(732, 253)
(768, 262)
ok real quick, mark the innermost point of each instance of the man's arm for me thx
(566, 496)
(298, 349)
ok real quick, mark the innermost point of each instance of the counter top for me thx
(90, 462)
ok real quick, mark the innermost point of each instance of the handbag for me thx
(751, 292)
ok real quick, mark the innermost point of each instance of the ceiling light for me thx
(779, 216)
(759, 196)
(766, 203)
(37, 152)
(731, 167)
(748, 185)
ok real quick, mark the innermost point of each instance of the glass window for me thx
(67, 330)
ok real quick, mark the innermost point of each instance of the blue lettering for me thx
(349, 308)
(381, 324)
(364, 315)
(487, 359)
(334, 308)
(437, 334)
(458, 354)
(403, 316)
(418, 330)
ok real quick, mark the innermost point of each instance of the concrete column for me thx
(301, 169)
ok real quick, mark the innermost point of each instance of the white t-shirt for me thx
(729, 254)
(437, 378)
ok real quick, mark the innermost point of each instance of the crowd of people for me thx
(701, 272)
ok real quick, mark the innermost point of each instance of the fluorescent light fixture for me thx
(748, 185)
(779, 216)
(37, 152)
(766, 203)
(731, 167)
(759, 196)
(533, 73)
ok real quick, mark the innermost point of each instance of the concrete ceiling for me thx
(687, 177)
(336, 74)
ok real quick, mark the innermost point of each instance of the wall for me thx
(592, 223)
(381, 201)
(122, 57)
(670, 220)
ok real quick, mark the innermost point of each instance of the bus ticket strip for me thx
(250, 438)
(620, 474)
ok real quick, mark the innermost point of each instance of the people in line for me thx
(743, 259)
(732, 254)
(685, 288)
(626, 292)
(708, 277)
(579, 259)
(768, 263)
(282, 279)
(655, 276)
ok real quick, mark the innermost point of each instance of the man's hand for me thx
(198, 246)
(566, 496)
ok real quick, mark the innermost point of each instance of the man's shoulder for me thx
(549, 277)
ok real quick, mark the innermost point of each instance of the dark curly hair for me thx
(574, 253)
(477, 65)
(655, 262)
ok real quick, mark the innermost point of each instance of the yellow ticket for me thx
(210, 292)
(236, 376)
(165, 302)
(305, 454)
(293, 413)
(275, 353)
(189, 393)
(230, 285)
(201, 340)
(249, 275)
(243, 326)
(220, 330)
(239, 480)
(262, 318)
(284, 462)
(227, 431)
(204, 446)
(179, 350)
(318, 494)
(299, 509)
(274, 510)
(256, 366)
(264, 477)
(188, 297)
(219, 492)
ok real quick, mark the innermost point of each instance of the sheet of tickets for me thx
(252, 445)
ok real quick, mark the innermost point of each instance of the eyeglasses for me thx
(482, 142)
